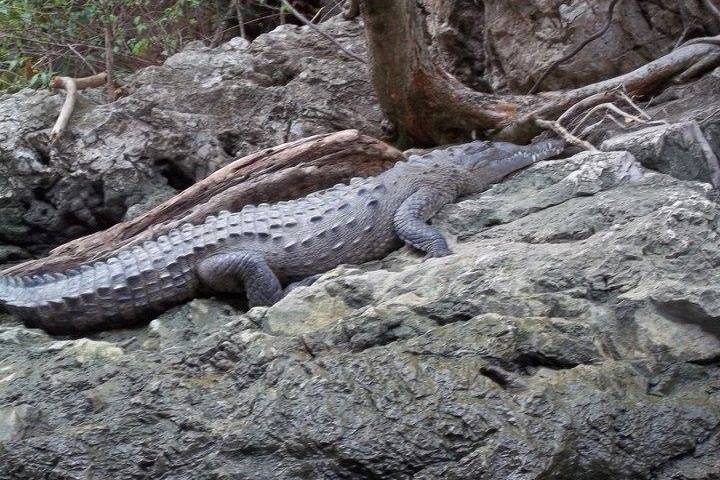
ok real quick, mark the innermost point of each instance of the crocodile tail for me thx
(35, 299)
(4, 291)
(11, 291)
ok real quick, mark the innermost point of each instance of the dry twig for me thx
(567, 136)
(609, 106)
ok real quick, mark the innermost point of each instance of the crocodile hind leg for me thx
(241, 271)
(305, 282)
(410, 222)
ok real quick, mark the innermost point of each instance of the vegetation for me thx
(42, 38)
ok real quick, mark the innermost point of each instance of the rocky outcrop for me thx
(678, 149)
(180, 121)
(573, 334)
(204, 107)
(523, 38)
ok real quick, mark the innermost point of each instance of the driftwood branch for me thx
(280, 173)
(71, 87)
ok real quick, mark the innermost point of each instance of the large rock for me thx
(575, 333)
(679, 149)
(687, 146)
(524, 38)
(180, 121)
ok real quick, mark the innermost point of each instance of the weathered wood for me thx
(285, 172)
(71, 87)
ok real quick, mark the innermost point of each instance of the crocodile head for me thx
(484, 163)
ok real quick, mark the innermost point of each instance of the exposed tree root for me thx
(710, 6)
(563, 133)
(430, 107)
(612, 108)
(639, 82)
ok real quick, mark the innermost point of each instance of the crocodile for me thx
(262, 247)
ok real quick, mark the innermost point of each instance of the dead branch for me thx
(608, 106)
(567, 136)
(71, 87)
(321, 32)
(578, 49)
(280, 173)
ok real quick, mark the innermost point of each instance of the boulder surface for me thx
(574, 333)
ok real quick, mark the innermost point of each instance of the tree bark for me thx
(429, 107)
(426, 105)
(284, 172)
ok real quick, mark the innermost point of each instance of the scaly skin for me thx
(262, 247)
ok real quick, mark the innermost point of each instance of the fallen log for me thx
(285, 172)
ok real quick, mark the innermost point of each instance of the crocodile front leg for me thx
(242, 270)
(410, 221)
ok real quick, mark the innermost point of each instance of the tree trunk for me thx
(426, 105)
(429, 107)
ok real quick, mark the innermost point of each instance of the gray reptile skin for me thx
(262, 247)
